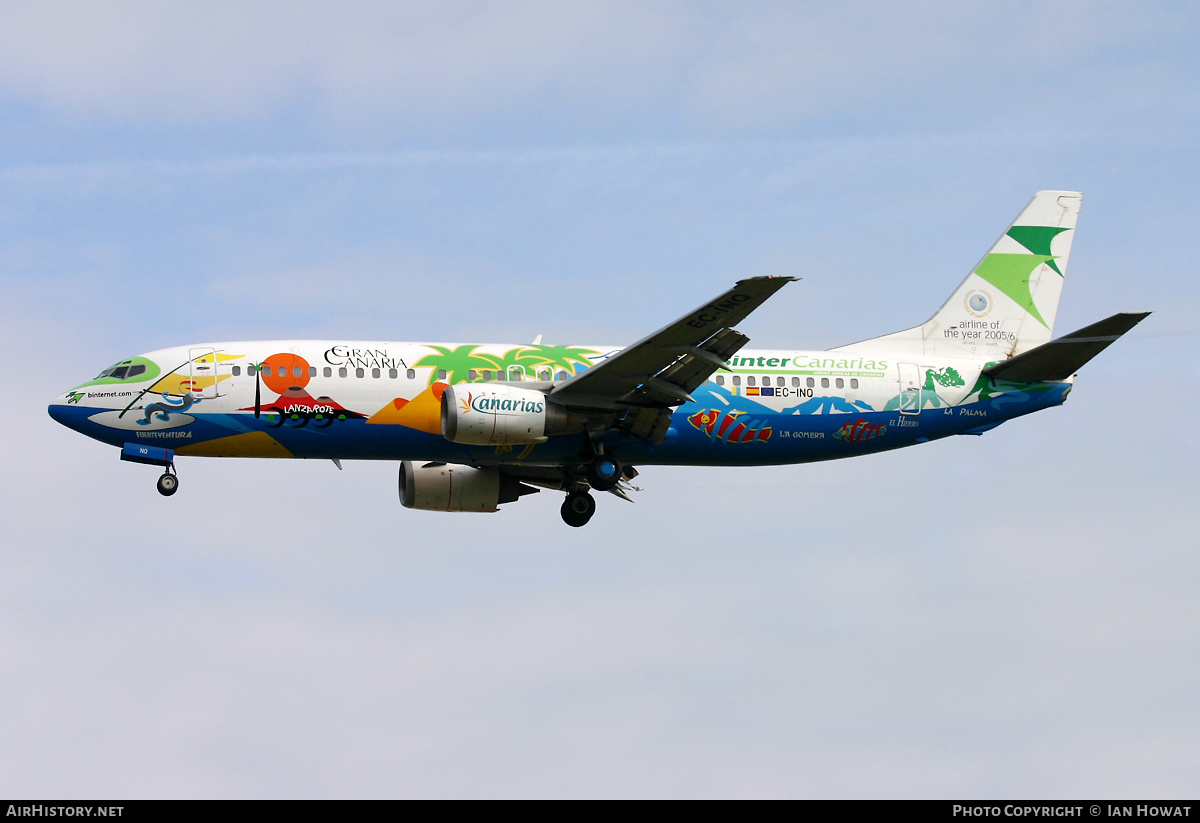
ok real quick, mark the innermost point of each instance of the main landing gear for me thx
(602, 474)
(168, 482)
(578, 508)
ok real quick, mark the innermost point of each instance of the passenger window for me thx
(375, 373)
(810, 382)
(563, 375)
(392, 373)
(545, 375)
(795, 381)
(779, 381)
(854, 382)
(487, 375)
(297, 371)
(411, 374)
(472, 374)
(328, 372)
(312, 371)
(720, 380)
(441, 374)
(361, 372)
(737, 380)
(749, 381)
(237, 371)
(342, 372)
(824, 382)
(840, 383)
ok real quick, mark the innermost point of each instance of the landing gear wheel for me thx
(578, 509)
(168, 484)
(604, 472)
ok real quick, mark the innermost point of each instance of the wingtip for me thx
(762, 278)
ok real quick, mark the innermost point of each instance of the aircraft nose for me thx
(61, 412)
(58, 411)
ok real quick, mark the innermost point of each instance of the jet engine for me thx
(447, 487)
(495, 414)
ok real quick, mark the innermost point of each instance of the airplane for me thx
(476, 426)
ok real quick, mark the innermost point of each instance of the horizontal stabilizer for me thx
(1061, 358)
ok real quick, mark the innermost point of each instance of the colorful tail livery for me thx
(1008, 302)
(475, 426)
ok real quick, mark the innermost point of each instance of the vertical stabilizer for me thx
(1008, 302)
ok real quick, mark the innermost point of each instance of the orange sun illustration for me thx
(287, 371)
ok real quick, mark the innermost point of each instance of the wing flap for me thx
(1061, 358)
(697, 363)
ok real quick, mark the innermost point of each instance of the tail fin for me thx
(1008, 302)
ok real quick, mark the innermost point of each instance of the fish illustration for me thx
(860, 430)
(730, 429)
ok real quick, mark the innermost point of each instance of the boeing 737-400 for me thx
(475, 426)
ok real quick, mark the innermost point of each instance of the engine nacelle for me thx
(447, 487)
(495, 414)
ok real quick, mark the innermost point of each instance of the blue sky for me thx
(1009, 615)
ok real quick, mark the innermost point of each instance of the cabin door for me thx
(202, 371)
(910, 388)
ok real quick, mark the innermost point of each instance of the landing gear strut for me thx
(168, 482)
(578, 508)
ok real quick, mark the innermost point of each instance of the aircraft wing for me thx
(660, 371)
(1059, 359)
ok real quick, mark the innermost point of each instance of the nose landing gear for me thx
(168, 482)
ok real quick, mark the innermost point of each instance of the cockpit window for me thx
(121, 371)
(117, 372)
(136, 369)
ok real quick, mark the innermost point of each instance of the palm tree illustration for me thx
(566, 358)
(458, 362)
(257, 388)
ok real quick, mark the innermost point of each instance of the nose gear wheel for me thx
(168, 484)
